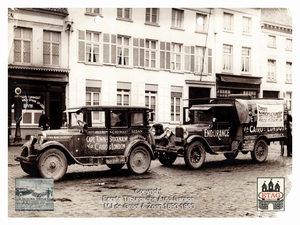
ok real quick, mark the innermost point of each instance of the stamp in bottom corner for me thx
(34, 194)
(270, 194)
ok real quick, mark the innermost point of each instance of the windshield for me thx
(198, 116)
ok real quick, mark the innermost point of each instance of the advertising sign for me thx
(269, 115)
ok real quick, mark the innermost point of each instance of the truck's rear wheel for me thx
(139, 160)
(260, 151)
(28, 168)
(195, 155)
(52, 164)
(167, 158)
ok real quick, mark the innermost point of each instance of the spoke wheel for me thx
(231, 156)
(139, 160)
(115, 166)
(28, 168)
(260, 151)
(52, 164)
(195, 155)
(167, 158)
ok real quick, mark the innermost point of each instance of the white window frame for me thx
(124, 13)
(94, 11)
(199, 59)
(123, 50)
(246, 60)
(177, 18)
(227, 58)
(227, 22)
(247, 25)
(271, 70)
(148, 97)
(83, 54)
(151, 53)
(123, 94)
(289, 70)
(24, 49)
(289, 44)
(272, 41)
(151, 17)
(175, 108)
(51, 44)
(201, 28)
(176, 56)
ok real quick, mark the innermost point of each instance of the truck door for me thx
(95, 137)
(221, 131)
(118, 135)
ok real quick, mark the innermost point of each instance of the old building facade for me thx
(157, 57)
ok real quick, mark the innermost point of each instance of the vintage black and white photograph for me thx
(162, 112)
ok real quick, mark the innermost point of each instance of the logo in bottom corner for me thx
(270, 193)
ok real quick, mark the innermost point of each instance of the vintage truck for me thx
(95, 135)
(226, 126)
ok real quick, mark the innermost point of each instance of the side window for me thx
(118, 118)
(137, 119)
(98, 119)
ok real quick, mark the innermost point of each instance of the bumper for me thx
(27, 159)
(170, 148)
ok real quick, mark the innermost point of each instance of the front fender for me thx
(61, 147)
(202, 140)
(134, 143)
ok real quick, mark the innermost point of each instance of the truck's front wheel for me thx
(52, 164)
(260, 151)
(195, 155)
(139, 160)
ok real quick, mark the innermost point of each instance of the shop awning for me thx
(239, 79)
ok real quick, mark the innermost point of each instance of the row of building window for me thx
(137, 52)
(177, 19)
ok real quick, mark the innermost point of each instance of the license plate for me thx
(177, 139)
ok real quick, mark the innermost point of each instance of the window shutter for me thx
(142, 52)
(106, 48)
(113, 49)
(162, 55)
(168, 55)
(192, 59)
(135, 52)
(187, 58)
(81, 45)
(209, 60)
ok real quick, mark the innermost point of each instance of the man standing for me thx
(289, 134)
(44, 121)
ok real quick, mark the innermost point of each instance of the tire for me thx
(260, 151)
(52, 163)
(167, 159)
(139, 160)
(195, 155)
(28, 168)
(231, 156)
(115, 167)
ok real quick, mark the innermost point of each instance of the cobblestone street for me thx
(219, 189)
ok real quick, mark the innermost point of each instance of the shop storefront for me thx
(237, 84)
(42, 89)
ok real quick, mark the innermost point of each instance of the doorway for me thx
(196, 93)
